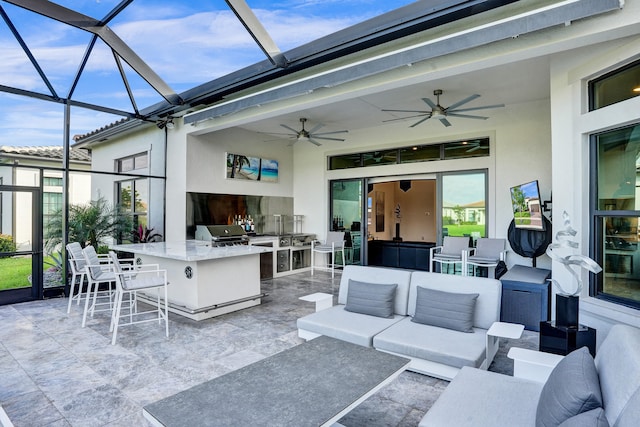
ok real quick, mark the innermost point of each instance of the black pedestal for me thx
(567, 310)
(563, 339)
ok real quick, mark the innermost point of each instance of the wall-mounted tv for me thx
(527, 208)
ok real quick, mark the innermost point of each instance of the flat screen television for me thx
(527, 208)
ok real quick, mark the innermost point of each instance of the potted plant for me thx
(145, 235)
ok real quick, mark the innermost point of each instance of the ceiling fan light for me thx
(636, 89)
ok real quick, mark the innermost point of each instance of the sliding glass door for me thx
(463, 198)
(346, 215)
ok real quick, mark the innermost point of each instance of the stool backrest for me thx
(489, 248)
(76, 257)
(453, 245)
(91, 258)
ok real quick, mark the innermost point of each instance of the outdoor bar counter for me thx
(204, 281)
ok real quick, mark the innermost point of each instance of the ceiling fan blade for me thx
(324, 137)
(329, 133)
(467, 116)
(420, 121)
(444, 121)
(316, 127)
(407, 111)
(316, 143)
(290, 128)
(484, 107)
(276, 133)
(429, 102)
(404, 118)
(464, 101)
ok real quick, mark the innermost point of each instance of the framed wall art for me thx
(251, 168)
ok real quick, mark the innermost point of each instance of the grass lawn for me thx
(461, 230)
(15, 270)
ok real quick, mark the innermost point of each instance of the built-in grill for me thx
(222, 235)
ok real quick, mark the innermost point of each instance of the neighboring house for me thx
(26, 165)
(560, 68)
(471, 212)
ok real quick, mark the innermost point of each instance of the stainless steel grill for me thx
(222, 235)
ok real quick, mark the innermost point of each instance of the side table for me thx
(564, 339)
(500, 330)
(322, 300)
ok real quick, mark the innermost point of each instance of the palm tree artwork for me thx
(235, 162)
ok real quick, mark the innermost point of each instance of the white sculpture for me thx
(570, 262)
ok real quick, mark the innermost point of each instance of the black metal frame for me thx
(11, 296)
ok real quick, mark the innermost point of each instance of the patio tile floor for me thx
(55, 373)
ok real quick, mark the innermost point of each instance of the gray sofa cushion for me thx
(445, 309)
(344, 325)
(374, 299)
(489, 290)
(432, 343)
(377, 275)
(488, 399)
(592, 418)
(573, 387)
(620, 375)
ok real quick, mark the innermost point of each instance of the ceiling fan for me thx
(311, 135)
(439, 112)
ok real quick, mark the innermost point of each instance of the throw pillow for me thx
(573, 387)
(374, 299)
(445, 309)
(592, 418)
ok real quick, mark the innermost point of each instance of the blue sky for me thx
(186, 42)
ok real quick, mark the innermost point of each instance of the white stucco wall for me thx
(147, 139)
(207, 163)
(572, 125)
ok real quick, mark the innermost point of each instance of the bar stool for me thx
(333, 245)
(146, 277)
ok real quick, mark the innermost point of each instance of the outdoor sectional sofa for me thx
(576, 391)
(434, 350)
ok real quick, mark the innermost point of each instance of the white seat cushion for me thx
(344, 325)
(435, 344)
(488, 399)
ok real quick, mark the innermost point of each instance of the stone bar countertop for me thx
(190, 250)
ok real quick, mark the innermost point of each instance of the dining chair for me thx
(333, 245)
(97, 270)
(452, 252)
(148, 278)
(487, 253)
(76, 264)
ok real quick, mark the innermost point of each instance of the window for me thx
(131, 163)
(619, 85)
(616, 213)
(51, 197)
(133, 197)
(477, 147)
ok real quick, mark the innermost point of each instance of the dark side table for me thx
(564, 339)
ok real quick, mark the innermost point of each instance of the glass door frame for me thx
(440, 198)
(363, 213)
(11, 296)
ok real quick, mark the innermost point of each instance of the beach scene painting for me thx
(251, 168)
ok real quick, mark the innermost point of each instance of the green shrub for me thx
(7, 244)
